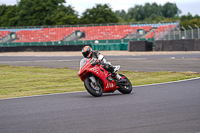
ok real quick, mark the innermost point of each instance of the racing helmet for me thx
(87, 51)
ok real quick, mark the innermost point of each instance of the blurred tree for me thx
(65, 15)
(132, 13)
(9, 15)
(170, 10)
(183, 17)
(150, 12)
(54, 12)
(37, 12)
(191, 22)
(122, 14)
(98, 14)
(140, 15)
(196, 16)
(189, 16)
(121, 20)
(46, 12)
(157, 9)
(3, 9)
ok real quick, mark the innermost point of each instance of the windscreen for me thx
(82, 62)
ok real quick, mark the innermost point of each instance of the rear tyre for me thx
(94, 90)
(127, 87)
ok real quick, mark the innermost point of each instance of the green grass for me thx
(16, 81)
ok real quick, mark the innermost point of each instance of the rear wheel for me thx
(125, 88)
(94, 89)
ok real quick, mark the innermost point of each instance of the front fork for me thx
(92, 78)
(95, 85)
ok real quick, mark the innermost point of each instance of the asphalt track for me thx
(162, 108)
(176, 62)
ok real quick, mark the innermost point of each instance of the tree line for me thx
(54, 12)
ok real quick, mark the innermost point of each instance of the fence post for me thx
(154, 34)
(64, 38)
(163, 32)
(168, 34)
(130, 35)
(159, 35)
(179, 32)
(198, 31)
(1, 40)
(106, 37)
(154, 40)
(191, 30)
(174, 34)
(184, 32)
(43, 39)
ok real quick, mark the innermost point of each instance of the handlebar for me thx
(94, 62)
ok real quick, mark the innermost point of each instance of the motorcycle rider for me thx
(88, 53)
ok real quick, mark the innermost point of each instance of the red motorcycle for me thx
(97, 80)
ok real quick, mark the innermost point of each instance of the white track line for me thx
(167, 82)
(41, 95)
(85, 91)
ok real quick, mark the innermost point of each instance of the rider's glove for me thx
(97, 62)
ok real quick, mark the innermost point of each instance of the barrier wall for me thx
(57, 43)
(42, 48)
(120, 44)
(178, 45)
(140, 46)
(161, 45)
(110, 46)
(99, 47)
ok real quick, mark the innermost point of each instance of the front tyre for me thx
(125, 88)
(94, 89)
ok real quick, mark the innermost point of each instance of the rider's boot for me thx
(113, 70)
(119, 78)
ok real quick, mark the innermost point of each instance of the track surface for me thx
(180, 62)
(164, 108)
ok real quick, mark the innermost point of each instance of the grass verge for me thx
(17, 81)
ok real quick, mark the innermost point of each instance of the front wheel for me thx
(125, 88)
(94, 89)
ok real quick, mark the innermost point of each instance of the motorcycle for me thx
(97, 80)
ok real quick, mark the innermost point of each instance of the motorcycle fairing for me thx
(108, 86)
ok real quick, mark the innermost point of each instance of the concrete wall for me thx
(178, 45)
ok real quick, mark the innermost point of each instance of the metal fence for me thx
(178, 33)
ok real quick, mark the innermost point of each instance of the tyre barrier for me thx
(178, 45)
